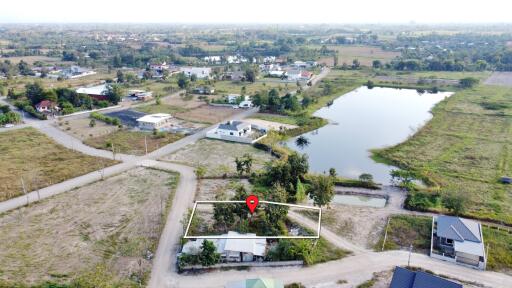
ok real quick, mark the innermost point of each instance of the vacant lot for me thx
(365, 55)
(31, 59)
(162, 108)
(207, 114)
(98, 232)
(132, 142)
(406, 230)
(79, 128)
(464, 150)
(225, 87)
(212, 189)
(218, 157)
(500, 78)
(28, 154)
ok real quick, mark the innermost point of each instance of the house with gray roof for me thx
(404, 278)
(458, 240)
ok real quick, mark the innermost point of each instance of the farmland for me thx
(28, 154)
(102, 233)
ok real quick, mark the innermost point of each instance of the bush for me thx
(109, 120)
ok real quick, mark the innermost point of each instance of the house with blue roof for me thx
(458, 240)
(404, 278)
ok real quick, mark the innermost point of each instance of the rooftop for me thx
(94, 90)
(404, 278)
(234, 125)
(458, 229)
(154, 118)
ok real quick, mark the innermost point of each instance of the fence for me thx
(244, 265)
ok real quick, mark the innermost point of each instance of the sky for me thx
(256, 11)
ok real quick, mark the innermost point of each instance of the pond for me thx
(365, 119)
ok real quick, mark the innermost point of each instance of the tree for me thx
(468, 82)
(208, 255)
(300, 194)
(321, 190)
(332, 172)
(403, 178)
(193, 78)
(250, 74)
(455, 203)
(183, 81)
(377, 64)
(356, 64)
(34, 92)
(370, 84)
(114, 93)
(120, 76)
(335, 59)
(366, 178)
(92, 123)
(306, 101)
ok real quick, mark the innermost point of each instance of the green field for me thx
(464, 150)
(406, 230)
(30, 155)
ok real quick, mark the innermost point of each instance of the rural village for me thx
(380, 156)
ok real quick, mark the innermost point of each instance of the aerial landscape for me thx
(222, 149)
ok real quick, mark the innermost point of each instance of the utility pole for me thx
(409, 260)
(24, 189)
(146, 143)
(113, 151)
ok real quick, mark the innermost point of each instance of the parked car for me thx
(9, 125)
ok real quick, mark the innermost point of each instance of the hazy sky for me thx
(257, 11)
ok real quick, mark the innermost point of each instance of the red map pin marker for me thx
(252, 202)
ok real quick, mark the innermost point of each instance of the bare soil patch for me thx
(101, 229)
(500, 79)
(218, 157)
(212, 189)
(189, 102)
(208, 114)
(79, 128)
(365, 55)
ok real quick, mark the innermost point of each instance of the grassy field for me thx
(404, 230)
(499, 245)
(230, 87)
(132, 142)
(95, 236)
(28, 154)
(464, 150)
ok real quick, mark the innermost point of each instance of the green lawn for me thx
(499, 245)
(464, 150)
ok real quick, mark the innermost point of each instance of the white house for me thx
(237, 131)
(98, 92)
(246, 104)
(230, 249)
(74, 72)
(46, 106)
(156, 121)
(458, 240)
(200, 72)
(234, 128)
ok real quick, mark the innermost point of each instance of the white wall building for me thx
(156, 121)
(200, 72)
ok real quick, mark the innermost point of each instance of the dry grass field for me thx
(365, 55)
(500, 78)
(31, 155)
(207, 114)
(218, 157)
(79, 128)
(31, 59)
(98, 232)
(132, 142)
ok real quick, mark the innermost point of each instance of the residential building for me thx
(47, 106)
(458, 240)
(205, 90)
(74, 72)
(255, 283)
(140, 95)
(231, 249)
(246, 104)
(98, 92)
(156, 121)
(199, 72)
(233, 98)
(404, 278)
(237, 131)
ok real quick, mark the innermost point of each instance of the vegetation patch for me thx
(406, 230)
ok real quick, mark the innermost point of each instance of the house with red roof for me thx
(46, 106)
